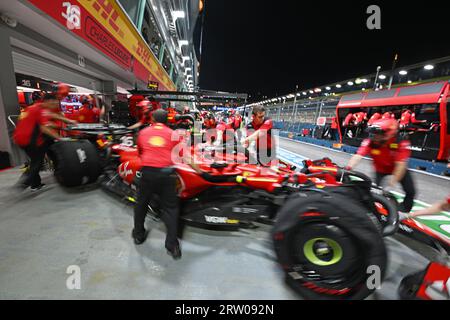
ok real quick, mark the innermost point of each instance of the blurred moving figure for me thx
(435, 208)
(390, 157)
(35, 133)
(144, 110)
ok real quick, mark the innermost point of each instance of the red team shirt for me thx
(226, 130)
(155, 146)
(376, 116)
(28, 130)
(266, 126)
(385, 156)
(88, 115)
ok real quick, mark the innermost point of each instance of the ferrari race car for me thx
(328, 226)
(327, 223)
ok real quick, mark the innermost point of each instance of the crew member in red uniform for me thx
(334, 129)
(359, 118)
(210, 124)
(132, 103)
(158, 177)
(408, 117)
(390, 158)
(260, 130)
(34, 134)
(144, 110)
(376, 116)
(88, 113)
(348, 120)
(235, 121)
(388, 115)
(225, 133)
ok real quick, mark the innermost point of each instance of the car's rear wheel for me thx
(326, 243)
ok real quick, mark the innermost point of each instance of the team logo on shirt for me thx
(157, 141)
(376, 152)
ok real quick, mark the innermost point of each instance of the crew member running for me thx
(34, 134)
(390, 157)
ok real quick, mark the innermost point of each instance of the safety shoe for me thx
(175, 252)
(139, 239)
(39, 187)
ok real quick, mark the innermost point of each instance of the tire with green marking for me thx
(326, 242)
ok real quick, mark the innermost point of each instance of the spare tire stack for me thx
(76, 163)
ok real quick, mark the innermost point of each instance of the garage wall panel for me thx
(38, 67)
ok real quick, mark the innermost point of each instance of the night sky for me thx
(267, 47)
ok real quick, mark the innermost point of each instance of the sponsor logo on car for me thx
(405, 228)
(224, 220)
(244, 210)
(124, 171)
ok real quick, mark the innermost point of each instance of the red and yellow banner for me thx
(105, 26)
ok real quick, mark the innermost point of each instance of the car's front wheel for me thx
(329, 246)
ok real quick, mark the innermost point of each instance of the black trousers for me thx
(37, 155)
(161, 182)
(407, 185)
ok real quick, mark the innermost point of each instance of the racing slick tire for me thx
(326, 242)
(76, 163)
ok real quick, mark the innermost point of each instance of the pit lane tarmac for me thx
(42, 234)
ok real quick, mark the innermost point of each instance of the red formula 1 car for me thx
(328, 226)
(325, 232)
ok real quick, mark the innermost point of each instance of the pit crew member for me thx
(260, 130)
(155, 147)
(34, 134)
(390, 158)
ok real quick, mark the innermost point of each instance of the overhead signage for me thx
(105, 26)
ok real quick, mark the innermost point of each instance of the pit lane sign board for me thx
(153, 85)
